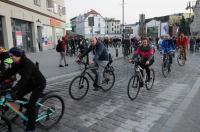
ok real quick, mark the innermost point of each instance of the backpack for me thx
(59, 46)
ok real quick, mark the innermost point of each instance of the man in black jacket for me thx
(100, 59)
(31, 80)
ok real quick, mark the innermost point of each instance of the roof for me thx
(92, 11)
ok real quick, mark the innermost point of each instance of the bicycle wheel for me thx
(51, 111)
(133, 87)
(108, 81)
(5, 125)
(165, 68)
(180, 60)
(78, 87)
(149, 85)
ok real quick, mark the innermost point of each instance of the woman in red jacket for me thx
(62, 52)
(144, 56)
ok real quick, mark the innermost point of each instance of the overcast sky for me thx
(113, 8)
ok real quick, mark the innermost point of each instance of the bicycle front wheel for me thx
(108, 81)
(133, 87)
(165, 68)
(149, 84)
(180, 60)
(5, 125)
(78, 87)
(50, 111)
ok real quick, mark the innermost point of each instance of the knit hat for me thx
(16, 52)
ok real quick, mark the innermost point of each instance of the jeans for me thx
(99, 72)
(62, 57)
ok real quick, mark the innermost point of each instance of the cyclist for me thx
(5, 60)
(100, 60)
(144, 56)
(168, 47)
(182, 42)
(31, 80)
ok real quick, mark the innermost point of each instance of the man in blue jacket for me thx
(168, 47)
(100, 60)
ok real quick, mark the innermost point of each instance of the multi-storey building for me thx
(112, 26)
(31, 24)
(89, 24)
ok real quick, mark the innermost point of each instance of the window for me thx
(112, 29)
(60, 10)
(37, 2)
(107, 26)
(112, 24)
(55, 8)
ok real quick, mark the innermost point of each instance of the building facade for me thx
(195, 25)
(89, 24)
(31, 24)
(112, 26)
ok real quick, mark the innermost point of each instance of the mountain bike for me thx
(137, 81)
(50, 110)
(79, 86)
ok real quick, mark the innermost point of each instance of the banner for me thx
(164, 29)
(19, 41)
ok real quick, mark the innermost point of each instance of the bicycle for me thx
(137, 81)
(181, 57)
(80, 90)
(166, 66)
(47, 108)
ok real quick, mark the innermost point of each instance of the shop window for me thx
(37, 2)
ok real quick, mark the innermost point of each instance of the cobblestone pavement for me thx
(113, 111)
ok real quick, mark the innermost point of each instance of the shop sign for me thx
(19, 38)
(55, 23)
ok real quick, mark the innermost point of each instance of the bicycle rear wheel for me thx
(149, 85)
(180, 60)
(51, 111)
(108, 81)
(133, 87)
(78, 87)
(165, 68)
(5, 125)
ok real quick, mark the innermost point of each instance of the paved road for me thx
(114, 112)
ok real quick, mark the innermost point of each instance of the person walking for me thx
(62, 52)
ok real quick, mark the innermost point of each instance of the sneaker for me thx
(66, 64)
(61, 66)
(96, 87)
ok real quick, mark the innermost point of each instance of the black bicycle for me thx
(137, 81)
(166, 66)
(79, 86)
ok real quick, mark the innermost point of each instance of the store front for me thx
(22, 34)
(47, 37)
(1, 33)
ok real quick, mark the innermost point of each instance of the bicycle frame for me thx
(137, 71)
(11, 106)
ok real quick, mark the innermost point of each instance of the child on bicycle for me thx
(144, 56)
(31, 81)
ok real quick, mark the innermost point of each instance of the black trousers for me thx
(31, 107)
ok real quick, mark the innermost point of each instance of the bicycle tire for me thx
(165, 68)
(107, 80)
(133, 79)
(82, 79)
(5, 125)
(180, 60)
(42, 123)
(152, 77)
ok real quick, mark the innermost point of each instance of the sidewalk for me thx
(49, 61)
